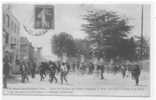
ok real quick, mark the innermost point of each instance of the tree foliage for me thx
(83, 48)
(63, 43)
(110, 32)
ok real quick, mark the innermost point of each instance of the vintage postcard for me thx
(76, 49)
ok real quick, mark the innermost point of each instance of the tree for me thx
(108, 30)
(63, 43)
(83, 48)
(127, 48)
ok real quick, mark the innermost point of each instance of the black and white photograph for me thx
(76, 49)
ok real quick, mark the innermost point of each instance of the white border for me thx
(153, 48)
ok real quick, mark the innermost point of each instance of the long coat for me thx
(6, 65)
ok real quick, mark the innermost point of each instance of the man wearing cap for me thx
(101, 67)
(64, 72)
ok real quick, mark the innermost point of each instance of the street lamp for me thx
(141, 31)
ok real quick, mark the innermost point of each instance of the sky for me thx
(68, 18)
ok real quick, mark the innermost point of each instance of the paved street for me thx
(76, 81)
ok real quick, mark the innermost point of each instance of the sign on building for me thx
(44, 17)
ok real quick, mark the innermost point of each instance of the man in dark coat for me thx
(101, 67)
(52, 68)
(123, 70)
(42, 70)
(24, 72)
(6, 67)
(33, 68)
(136, 73)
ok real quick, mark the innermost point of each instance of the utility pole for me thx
(141, 52)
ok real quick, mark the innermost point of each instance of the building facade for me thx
(26, 50)
(38, 57)
(11, 36)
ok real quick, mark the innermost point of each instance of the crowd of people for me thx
(63, 68)
(52, 68)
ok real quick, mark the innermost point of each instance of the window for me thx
(12, 25)
(14, 40)
(15, 28)
(7, 20)
(4, 19)
(7, 38)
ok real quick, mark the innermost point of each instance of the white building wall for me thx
(11, 26)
